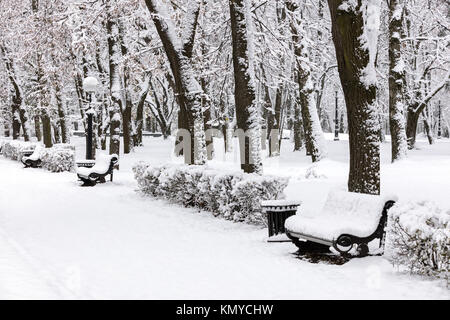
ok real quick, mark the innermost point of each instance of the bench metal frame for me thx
(345, 242)
(94, 177)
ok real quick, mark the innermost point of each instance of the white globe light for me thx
(90, 84)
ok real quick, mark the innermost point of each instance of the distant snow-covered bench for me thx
(32, 158)
(345, 220)
(103, 166)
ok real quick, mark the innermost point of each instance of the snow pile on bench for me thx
(101, 166)
(232, 195)
(35, 156)
(419, 238)
(13, 149)
(343, 213)
(59, 158)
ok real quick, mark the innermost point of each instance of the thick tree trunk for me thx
(46, 128)
(355, 60)
(274, 146)
(37, 127)
(411, 128)
(102, 123)
(56, 132)
(65, 136)
(247, 117)
(298, 128)
(126, 124)
(127, 111)
(428, 130)
(115, 86)
(15, 120)
(314, 139)
(140, 111)
(396, 80)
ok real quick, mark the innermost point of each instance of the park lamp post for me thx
(90, 86)
(336, 120)
(439, 134)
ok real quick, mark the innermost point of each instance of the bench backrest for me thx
(105, 163)
(354, 204)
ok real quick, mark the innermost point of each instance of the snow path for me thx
(60, 240)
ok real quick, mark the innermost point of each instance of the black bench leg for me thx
(111, 177)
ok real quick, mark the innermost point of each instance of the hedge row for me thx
(232, 195)
(59, 158)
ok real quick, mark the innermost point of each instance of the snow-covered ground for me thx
(59, 240)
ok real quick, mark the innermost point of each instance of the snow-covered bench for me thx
(347, 219)
(32, 158)
(103, 166)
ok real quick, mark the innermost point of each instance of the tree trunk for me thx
(428, 131)
(15, 120)
(412, 119)
(114, 85)
(56, 133)
(19, 115)
(274, 146)
(6, 130)
(247, 117)
(65, 136)
(355, 60)
(206, 107)
(396, 81)
(46, 129)
(127, 111)
(126, 124)
(298, 128)
(188, 90)
(140, 111)
(314, 139)
(37, 127)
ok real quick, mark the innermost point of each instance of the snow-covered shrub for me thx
(313, 172)
(13, 149)
(249, 193)
(232, 195)
(58, 158)
(419, 238)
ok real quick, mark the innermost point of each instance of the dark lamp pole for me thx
(336, 120)
(90, 86)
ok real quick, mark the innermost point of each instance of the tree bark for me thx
(46, 128)
(114, 85)
(298, 128)
(247, 117)
(37, 127)
(396, 82)
(188, 90)
(314, 140)
(65, 136)
(353, 59)
(140, 111)
(19, 114)
(127, 110)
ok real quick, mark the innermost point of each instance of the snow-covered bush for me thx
(59, 158)
(419, 238)
(250, 191)
(232, 195)
(13, 149)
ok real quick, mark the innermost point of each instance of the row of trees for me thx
(255, 65)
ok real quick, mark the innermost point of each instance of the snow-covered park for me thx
(62, 241)
(224, 149)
